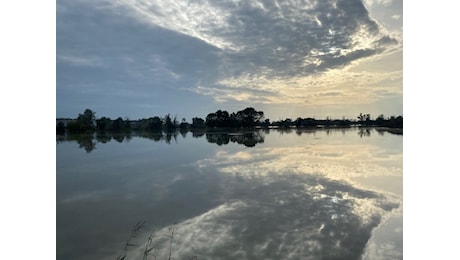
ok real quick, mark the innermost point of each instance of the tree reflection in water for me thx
(247, 138)
(285, 199)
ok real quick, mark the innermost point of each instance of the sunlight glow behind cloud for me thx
(260, 52)
(285, 75)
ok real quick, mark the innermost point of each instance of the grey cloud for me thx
(161, 49)
(331, 94)
(98, 46)
(280, 37)
(272, 35)
(386, 41)
(95, 32)
(281, 40)
(331, 61)
(387, 13)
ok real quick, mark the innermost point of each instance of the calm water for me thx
(325, 194)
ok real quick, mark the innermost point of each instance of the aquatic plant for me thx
(149, 247)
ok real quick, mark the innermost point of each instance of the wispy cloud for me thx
(268, 52)
(80, 61)
(273, 34)
(378, 2)
(332, 87)
(197, 19)
(273, 52)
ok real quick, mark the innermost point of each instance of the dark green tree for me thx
(154, 124)
(118, 124)
(103, 123)
(198, 123)
(211, 120)
(364, 119)
(380, 120)
(60, 128)
(249, 117)
(170, 123)
(87, 119)
(84, 123)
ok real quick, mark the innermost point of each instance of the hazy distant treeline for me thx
(221, 119)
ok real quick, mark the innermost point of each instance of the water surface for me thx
(323, 194)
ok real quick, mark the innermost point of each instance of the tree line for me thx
(221, 119)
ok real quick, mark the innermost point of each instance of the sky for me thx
(142, 58)
(32, 76)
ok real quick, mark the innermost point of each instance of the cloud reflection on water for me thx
(274, 209)
(298, 216)
(302, 196)
(335, 161)
(386, 241)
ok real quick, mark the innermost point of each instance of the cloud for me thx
(271, 39)
(378, 2)
(80, 61)
(109, 62)
(332, 87)
(262, 52)
(197, 19)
